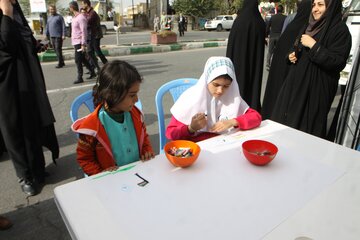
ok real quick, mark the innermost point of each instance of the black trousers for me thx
(96, 46)
(80, 59)
(91, 54)
(57, 43)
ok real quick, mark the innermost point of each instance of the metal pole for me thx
(133, 13)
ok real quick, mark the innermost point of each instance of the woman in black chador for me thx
(245, 48)
(320, 53)
(26, 118)
(280, 64)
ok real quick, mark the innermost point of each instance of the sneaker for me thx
(27, 187)
(5, 223)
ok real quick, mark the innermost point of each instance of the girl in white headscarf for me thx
(213, 105)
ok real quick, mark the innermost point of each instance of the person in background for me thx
(114, 134)
(289, 18)
(319, 54)
(181, 25)
(280, 65)
(246, 51)
(156, 23)
(163, 21)
(55, 31)
(26, 117)
(94, 35)
(273, 32)
(212, 106)
(78, 40)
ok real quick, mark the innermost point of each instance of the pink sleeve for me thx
(83, 27)
(177, 130)
(250, 119)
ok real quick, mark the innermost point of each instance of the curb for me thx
(114, 50)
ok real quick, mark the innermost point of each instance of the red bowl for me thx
(182, 161)
(259, 152)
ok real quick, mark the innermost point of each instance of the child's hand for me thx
(110, 169)
(292, 57)
(198, 122)
(147, 156)
(223, 125)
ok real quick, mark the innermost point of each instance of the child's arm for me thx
(177, 130)
(250, 119)
(86, 155)
(147, 150)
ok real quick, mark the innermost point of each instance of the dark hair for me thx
(74, 5)
(87, 2)
(280, 9)
(226, 76)
(114, 81)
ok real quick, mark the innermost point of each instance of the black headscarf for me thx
(315, 26)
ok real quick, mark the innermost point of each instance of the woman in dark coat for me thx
(26, 118)
(280, 64)
(245, 48)
(320, 53)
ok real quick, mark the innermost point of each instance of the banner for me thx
(38, 6)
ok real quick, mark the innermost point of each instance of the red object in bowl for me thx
(259, 152)
(182, 161)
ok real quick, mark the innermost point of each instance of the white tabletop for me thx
(311, 189)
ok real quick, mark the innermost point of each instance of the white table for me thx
(311, 189)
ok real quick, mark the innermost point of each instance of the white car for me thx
(219, 23)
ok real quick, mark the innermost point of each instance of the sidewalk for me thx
(137, 48)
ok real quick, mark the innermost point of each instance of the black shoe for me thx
(92, 75)
(27, 187)
(60, 65)
(78, 81)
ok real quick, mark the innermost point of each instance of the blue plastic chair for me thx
(87, 99)
(176, 88)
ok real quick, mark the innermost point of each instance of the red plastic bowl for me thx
(182, 161)
(259, 152)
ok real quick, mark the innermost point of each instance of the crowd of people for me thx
(305, 61)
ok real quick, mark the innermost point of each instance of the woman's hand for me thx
(292, 57)
(7, 7)
(307, 41)
(223, 125)
(147, 156)
(198, 122)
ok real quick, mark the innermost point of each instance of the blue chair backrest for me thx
(86, 98)
(176, 88)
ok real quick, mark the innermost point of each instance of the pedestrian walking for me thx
(55, 31)
(94, 35)
(79, 40)
(26, 117)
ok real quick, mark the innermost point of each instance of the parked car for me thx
(219, 23)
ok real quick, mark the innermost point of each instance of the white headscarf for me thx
(197, 99)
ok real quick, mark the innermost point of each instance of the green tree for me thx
(196, 8)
